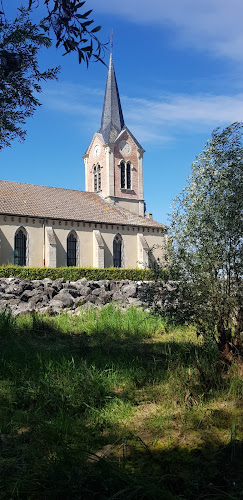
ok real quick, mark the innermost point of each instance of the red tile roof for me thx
(57, 203)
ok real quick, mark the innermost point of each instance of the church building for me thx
(105, 225)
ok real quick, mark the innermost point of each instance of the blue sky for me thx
(179, 70)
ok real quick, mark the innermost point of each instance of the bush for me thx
(75, 273)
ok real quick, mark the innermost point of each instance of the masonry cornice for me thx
(140, 153)
(49, 221)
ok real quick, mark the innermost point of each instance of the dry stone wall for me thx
(53, 297)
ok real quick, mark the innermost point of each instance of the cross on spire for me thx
(111, 41)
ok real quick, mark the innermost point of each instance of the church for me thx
(105, 225)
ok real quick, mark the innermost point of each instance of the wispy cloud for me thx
(161, 119)
(169, 117)
(174, 109)
(72, 98)
(214, 25)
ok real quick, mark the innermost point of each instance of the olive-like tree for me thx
(67, 23)
(20, 76)
(207, 235)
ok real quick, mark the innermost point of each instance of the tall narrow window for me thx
(20, 248)
(97, 178)
(123, 180)
(128, 175)
(117, 251)
(72, 250)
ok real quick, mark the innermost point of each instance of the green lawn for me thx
(112, 405)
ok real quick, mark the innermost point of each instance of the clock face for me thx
(125, 148)
(96, 150)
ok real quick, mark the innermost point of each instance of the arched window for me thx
(117, 251)
(97, 177)
(123, 180)
(72, 249)
(126, 175)
(20, 248)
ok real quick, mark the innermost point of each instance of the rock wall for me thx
(53, 297)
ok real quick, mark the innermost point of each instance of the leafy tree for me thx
(20, 41)
(70, 23)
(207, 233)
(20, 75)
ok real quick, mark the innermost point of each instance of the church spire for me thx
(112, 121)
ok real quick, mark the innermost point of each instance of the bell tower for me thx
(114, 159)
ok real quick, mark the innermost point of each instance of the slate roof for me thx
(57, 203)
(112, 121)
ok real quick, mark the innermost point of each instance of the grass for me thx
(113, 405)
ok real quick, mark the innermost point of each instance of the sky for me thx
(179, 70)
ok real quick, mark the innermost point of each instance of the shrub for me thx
(75, 273)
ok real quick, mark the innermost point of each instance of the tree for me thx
(20, 41)
(206, 232)
(20, 76)
(70, 23)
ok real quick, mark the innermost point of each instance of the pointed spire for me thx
(112, 120)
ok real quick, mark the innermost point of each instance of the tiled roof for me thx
(42, 201)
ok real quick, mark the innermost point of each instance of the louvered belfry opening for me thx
(128, 176)
(20, 248)
(71, 250)
(123, 178)
(97, 178)
(117, 251)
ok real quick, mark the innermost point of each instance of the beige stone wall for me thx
(154, 237)
(131, 205)
(34, 228)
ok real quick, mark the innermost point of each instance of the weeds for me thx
(116, 405)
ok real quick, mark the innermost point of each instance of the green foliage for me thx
(116, 405)
(206, 229)
(20, 43)
(75, 273)
(72, 27)
(20, 76)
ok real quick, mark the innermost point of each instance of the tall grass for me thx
(116, 405)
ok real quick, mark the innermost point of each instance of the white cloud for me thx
(149, 120)
(175, 109)
(214, 25)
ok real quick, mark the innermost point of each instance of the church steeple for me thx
(114, 159)
(112, 121)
